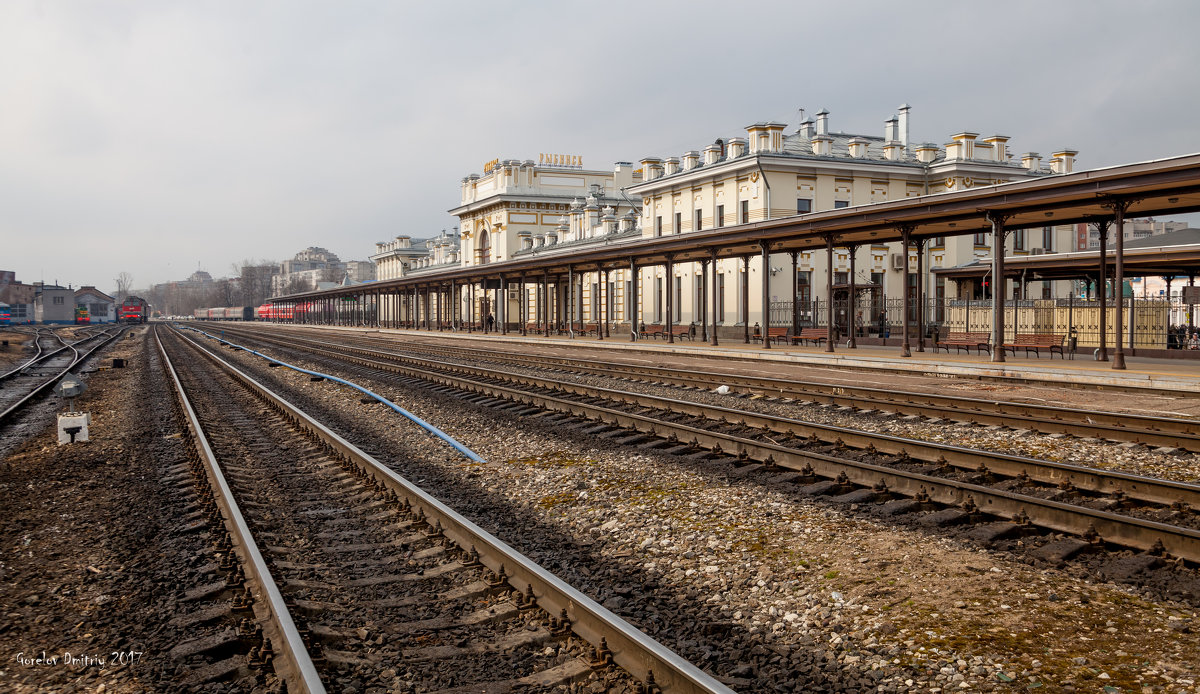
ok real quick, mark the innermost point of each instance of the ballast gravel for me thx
(768, 590)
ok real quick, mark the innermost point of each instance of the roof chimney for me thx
(822, 122)
(1065, 159)
(806, 128)
(903, 124)
(890, 126)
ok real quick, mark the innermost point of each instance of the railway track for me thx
(54, 358)
(1167, 432)
(356, 572)
(1127, 510)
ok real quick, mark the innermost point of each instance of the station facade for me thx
(552, 206)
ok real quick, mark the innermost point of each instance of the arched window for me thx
(483, 250)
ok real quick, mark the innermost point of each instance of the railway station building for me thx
(840, 235)
(555, 206)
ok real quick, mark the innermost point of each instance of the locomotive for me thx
(133, 310)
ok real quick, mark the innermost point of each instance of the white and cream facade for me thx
(555, 205)
(523, 208)
(769, 174)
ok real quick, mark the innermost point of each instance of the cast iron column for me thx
(1102, 290)
(670, 281)
(714, 297)
(829, 292)
(571, 301)
(746, 299)
(795, 296)
(998, 234)
(920, 243)
(905, 232)
(634, 304)
(766, 293)
(852, 303)
(1119, 207)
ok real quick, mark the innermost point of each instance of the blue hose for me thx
(420, 422)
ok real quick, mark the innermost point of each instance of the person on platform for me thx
(1194, 343)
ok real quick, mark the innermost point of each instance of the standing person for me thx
(491, 322)
(1194, 343)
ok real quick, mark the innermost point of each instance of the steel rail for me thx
(1146, 489)
(288, 645)
(1116, 528)
(631, 649)
(37, 341)
(1151, 430)
(79, 358)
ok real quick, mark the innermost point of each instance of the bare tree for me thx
(333, 274)
(254, 280)
(124, 282)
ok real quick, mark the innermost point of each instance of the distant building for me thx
(18, 296)
(359, 271)
(1088, 235)
(100, 306)
(313, 266)
(53, 304)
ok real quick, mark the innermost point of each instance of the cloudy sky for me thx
(159, 137)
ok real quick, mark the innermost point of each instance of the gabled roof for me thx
(92, 291)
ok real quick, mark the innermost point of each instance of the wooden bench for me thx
(534, 328)
(682, 331)
(655, 331)
(964, 340)
(814, 335)
(1036, 341)
(773, 334)
(589, 329)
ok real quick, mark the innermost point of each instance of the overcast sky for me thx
(160, 137)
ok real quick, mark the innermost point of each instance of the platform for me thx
(1142, 373)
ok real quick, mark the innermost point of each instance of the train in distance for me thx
(243, 313)
(134, 310)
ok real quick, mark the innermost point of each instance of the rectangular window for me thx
(839, 204)
(1048, 238)
(658, 225)
(609, 295)
(804, 206)
(720, 215)
(841, 278)
(981, 238)
(698, 298)
(698, 220)
(1019, 240)
(595, 314)
(676, 309)
(804, 293)
(1045, 289)
(940, 305)
(678, 223)
(939, 241)
(58, 300)
(741, 297)
(658, 300)
(745, 212)
(720, 297)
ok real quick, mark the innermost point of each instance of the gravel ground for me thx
(769, 590)
(94, 562)
(19, 346)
